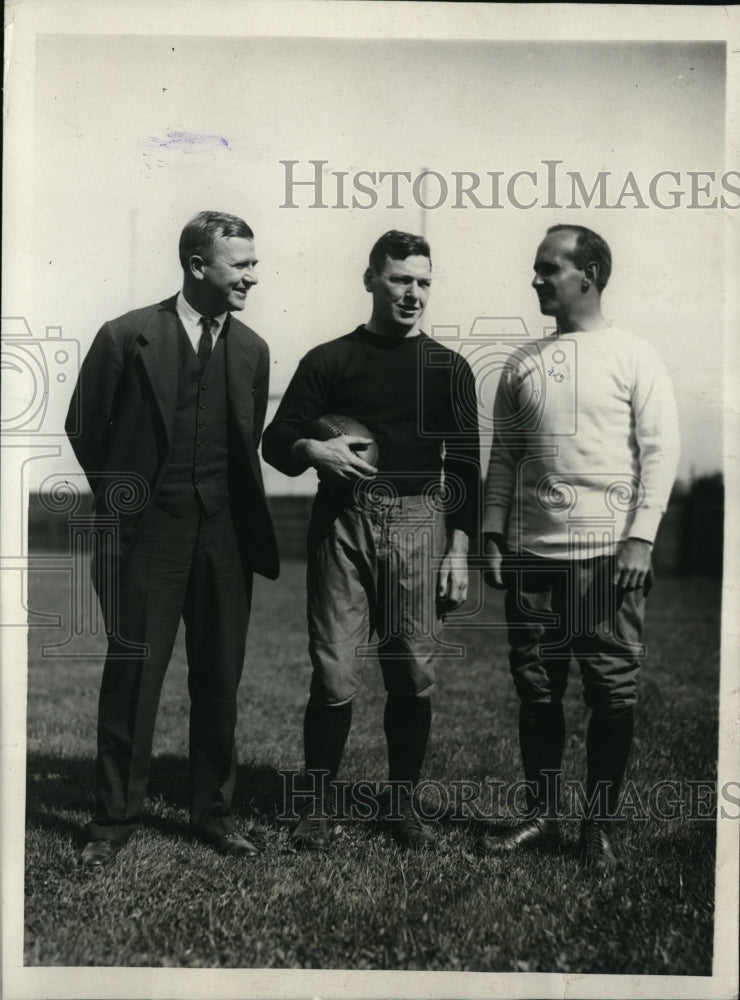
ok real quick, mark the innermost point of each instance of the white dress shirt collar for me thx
(191, 321)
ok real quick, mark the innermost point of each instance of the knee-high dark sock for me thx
(407, 721)
(325, 732)
(541, 741)
(608, 745)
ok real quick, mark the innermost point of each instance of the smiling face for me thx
(557, 280)
(225, 275)
(400, 292)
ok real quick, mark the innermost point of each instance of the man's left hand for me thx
(452, 583)
(632, 564)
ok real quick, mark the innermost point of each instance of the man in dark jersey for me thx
(377, 533)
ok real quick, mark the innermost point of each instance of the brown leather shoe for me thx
(234, 845)
(98, 853)
(535, 834)
(596, 852)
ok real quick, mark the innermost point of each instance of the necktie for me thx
(205, 344)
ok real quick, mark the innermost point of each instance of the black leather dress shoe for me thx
(534, 834)
(310, 834)
(99, 853)
(234, 845)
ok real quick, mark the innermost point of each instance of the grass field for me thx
(366, 904)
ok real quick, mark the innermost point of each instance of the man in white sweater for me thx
(584, 454)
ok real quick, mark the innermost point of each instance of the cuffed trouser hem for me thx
(119, 833)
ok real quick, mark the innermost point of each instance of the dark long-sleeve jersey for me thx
(416, 397)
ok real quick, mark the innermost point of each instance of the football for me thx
(330, 425)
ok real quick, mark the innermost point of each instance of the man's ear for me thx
(195, 266)
(367, 279)
(591, 271)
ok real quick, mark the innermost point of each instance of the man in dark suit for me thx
(171, 402)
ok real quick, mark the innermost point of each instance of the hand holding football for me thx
(331, 425)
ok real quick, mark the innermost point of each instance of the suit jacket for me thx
(124, 405)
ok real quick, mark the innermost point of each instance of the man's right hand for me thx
(494, 550)
(336, 458)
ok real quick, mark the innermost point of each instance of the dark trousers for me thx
(185, 566)
(556, 609)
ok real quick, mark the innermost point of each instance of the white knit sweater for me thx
(585, 445)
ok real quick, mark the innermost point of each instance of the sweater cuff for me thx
(645, 524)
(464, 519)
(277, 442)
(495, 519)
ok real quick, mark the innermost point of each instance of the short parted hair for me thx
(398, 246)
(203, 230)
(589, 247)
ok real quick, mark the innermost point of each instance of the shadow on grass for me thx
(57, 786)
